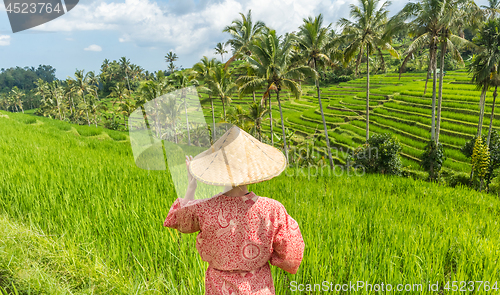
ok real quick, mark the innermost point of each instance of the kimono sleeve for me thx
(288, 245)
(183, 216)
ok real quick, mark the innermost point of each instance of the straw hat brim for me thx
(237, 158)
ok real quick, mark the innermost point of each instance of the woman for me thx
(240, 232)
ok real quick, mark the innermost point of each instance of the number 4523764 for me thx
(33, 8)
(471, 286)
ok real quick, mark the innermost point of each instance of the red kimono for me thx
(238, 237)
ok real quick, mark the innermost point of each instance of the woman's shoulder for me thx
(270, 203)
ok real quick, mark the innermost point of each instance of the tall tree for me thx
(181, 80)
(425, 24)
(368, 32)
(221, 85)
(484, 67)
(315, 44)
(220, 49)
(243, 32)
(203, 71)
(274, 71)
(492, 9)
(456, 12)
(256, 114)
(125, 67)
(80, 86)
(170, 58)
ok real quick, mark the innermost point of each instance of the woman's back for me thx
(240, 235)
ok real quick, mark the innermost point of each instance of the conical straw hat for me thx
(237, 158)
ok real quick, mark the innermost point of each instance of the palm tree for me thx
(94, 82)
(172, 112)
(457, 12)
(274, 71)
(256, 114)
(17, 95)
(315, 44)
(149, 90)
(203, 71)
(80, 86)
(243, 32)
(95, 106)
(170, 58)
(484, 67)
(119, 93)
(425, 24)
(125, 67)
(490, 11)
(57, 94)
(368, 32)
(182, 80)
(220, 49)
(126, 108)
(221, 85)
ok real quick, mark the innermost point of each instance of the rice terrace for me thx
(77, 215)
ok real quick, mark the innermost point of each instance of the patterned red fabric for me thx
(239, 237)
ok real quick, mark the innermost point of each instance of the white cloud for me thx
(70, 39)
(93, 47)
(4, 40)
(192, 30)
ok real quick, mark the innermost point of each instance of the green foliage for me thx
(380, 155)
(480, 158)
(24, 78)
(106, 216)
(331, 78)
(432, 159)
(459, 178)
(494, 186)
(494, 153)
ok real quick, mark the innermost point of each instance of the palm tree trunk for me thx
(126, 74)
(367, 95)
(282, 126)
(59, 109)
(86, 110)
(440, 94)
(257, 124)
(429, 70)
(324, 123)
(434, 80)
(224, 108)
(271, 119)
(253, 93)
(492, 116)
(72, 104)
(144, 115)
(187, 121)
(482, 103)
(213, 118)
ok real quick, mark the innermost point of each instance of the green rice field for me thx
(77, 216)
(398, 106)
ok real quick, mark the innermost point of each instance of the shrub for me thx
(494, 186)
(432, 159)
(459, 178)
(331, 78)
(380, 155)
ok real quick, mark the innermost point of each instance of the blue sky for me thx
(146, 30)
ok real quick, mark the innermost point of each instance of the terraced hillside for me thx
(398, 106)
